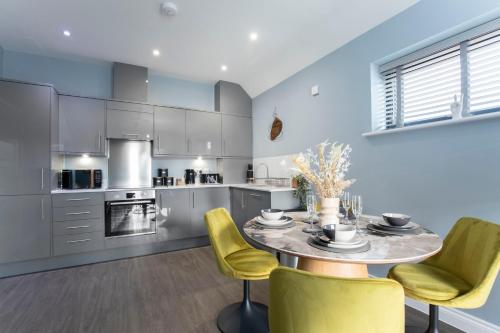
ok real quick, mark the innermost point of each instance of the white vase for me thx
(329, 211)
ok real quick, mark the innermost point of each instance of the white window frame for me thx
(461, 39)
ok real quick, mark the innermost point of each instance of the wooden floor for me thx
(178, 292)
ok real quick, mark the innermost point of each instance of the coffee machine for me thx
(189, 176)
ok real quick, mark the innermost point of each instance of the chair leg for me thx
(433, 319)
(244, 317)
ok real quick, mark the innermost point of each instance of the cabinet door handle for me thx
(78, 227)
(189, 145)
(193, 199)
(242, 200)
(158, 145)
(99, 142)
(79, 241)
(254, 195)
(78, 213)
(78, 199)
(160, 203)
(42, 202)
(130, 134)
(43, 183)
(224, 146)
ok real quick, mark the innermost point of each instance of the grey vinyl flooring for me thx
(178, 292)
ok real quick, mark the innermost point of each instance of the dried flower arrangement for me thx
(326, 168)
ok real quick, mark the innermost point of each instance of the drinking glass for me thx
(311, 212)
(346, 204)
(357, 207)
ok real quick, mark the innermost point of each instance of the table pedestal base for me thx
(331, 268)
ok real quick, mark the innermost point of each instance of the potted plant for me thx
(325, 169)
(301, 186)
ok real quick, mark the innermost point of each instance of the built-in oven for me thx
(130, 213)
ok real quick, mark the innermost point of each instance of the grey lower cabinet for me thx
(247, 204)
(169, 131)
(173, 215)
(25, 141)
(78, 223)
(203, 131)
(129, 125)
(236, 136)
(82, 125)
(181, 211)
(203, 200)
(25, 227)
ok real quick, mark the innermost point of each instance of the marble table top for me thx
(385, 249)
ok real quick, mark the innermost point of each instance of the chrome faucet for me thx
(267, 169)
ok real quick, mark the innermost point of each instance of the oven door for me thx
(131, 217)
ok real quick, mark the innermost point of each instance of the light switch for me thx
(315, 90)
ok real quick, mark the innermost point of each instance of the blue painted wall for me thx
(1, 61)
(94, 79)
(436, 175)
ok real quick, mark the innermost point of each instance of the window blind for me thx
(484, 73)
(429, 86)
(421, 86)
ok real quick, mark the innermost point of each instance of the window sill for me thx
(469, 119)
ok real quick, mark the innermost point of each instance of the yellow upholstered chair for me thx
(302, 302)
(238, 260)
(461, 275)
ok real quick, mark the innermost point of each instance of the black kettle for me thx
(189, 176)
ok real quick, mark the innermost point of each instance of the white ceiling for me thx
(203, 36)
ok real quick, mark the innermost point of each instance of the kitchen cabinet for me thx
(247, 204)
(25, 227)
(231, 98)
(82, 124)
(203, 200)
(129, 125)
(169, 131)
(236, 136)
(203, 133)
(181, 211)
(24, 138)
(173, 216)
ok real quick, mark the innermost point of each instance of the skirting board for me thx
(456, 318)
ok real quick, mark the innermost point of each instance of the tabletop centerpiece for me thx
(326, 169)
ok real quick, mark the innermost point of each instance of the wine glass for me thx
(311, 212)
(357, 207)
(346, 204)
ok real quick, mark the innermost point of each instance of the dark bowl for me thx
(397, 220)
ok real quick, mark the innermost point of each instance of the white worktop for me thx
(254, 187)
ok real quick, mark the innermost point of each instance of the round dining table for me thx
(384, 248)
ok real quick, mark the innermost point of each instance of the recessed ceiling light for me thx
(147, 81)
(223, 68)
(253, 36)
(156, 52)
(67, 33)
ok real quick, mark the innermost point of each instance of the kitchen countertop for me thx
(254, 187)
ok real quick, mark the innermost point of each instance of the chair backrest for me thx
(471, 250)
(303, 302)
(224, 236)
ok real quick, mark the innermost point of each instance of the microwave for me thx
(80, 179)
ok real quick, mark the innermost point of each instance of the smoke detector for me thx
(168, 9)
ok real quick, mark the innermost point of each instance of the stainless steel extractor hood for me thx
(129, 164)
(129, 82)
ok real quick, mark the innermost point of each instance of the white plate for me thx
(357, 239)
(361, 243)
(408, 226)
(274, 223)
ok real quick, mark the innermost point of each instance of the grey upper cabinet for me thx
(203, 133)
(232, 98)
(82, 124)
(173, 216)
(203, 200)
(236, 136)
(25, 141)
(169, 131)
(25, 227)
(131, 125)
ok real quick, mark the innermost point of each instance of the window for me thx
(420, 87)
